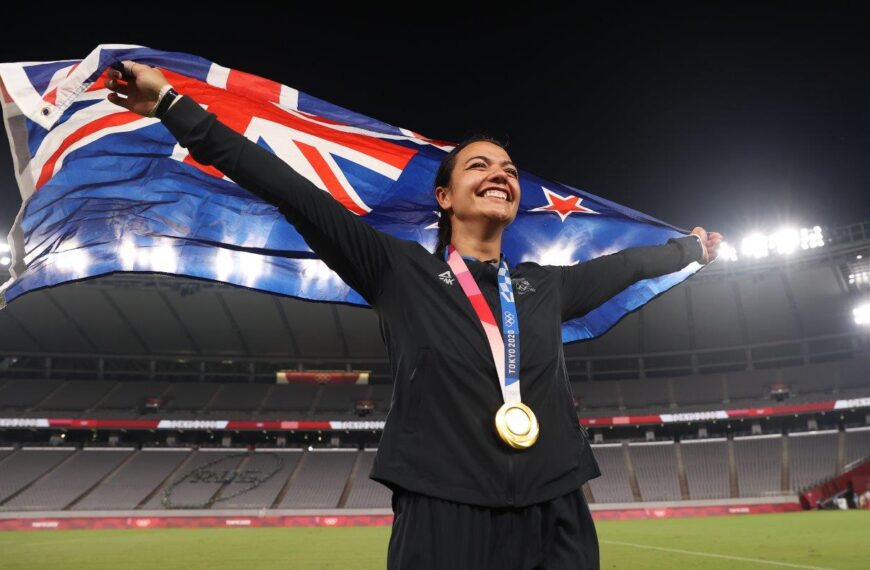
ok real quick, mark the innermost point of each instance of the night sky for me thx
(735, 118)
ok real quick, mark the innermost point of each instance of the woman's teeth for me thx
(495, 194)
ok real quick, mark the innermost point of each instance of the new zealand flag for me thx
(106, 190)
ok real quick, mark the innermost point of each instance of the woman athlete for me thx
(482, 446)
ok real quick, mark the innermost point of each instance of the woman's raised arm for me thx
(589, 284)
(360, 254)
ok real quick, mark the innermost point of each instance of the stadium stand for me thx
(707, 468)
(4, 451)
(655, 466)
(700, 389)
(184, 489)
(265, 473)
(75, 395)
(242, 401)
(365, 493)
(812, 381)
(187, 398)
(320, 480)
(126, 479)
(297, 399)
(651, 392)
(613, 486)
(857, 446)
(382, 394)
(812, 457)
(64, 483)
(598, 396)
(747, 385)
(237, 401)
(759, 465)
(337, 402)
(25, 466)
(20, 395)
(127, 398)
(133, 481)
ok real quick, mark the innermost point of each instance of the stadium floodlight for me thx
(811, 237)
(859, 278)
(754, 245)
(4, 261)
(862, 314)
(784, 241)
(4, 247)
(726, 252)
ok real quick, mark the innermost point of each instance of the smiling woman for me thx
(478, 192)
(478, 480)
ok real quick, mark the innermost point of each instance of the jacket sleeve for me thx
(589, 284)
(357, 252)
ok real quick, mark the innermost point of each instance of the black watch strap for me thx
(165, 103)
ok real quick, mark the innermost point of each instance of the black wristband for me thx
(165, 102)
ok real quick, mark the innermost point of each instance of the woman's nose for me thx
(498, 175)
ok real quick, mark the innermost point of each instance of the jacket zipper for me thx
(511, 485)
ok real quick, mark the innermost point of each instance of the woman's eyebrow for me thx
(485, 159)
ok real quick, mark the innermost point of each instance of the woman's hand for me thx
(137, 88)
(709, 242)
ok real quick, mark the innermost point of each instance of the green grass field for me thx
(818, 540)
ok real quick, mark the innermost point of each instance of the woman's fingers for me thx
(128, 66)
(118, 100)
(133, 86)
(115, 85)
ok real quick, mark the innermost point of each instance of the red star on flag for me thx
(562, 205)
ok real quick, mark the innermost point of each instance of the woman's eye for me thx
(513, 172)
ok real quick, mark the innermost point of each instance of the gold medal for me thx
(517, 425)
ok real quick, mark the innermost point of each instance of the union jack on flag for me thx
(105, 190)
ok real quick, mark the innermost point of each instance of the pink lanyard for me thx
(511, 391)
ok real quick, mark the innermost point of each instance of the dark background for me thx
(733, 116)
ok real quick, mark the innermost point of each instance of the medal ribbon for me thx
(504, 344)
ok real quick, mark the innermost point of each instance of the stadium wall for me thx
(65, 520)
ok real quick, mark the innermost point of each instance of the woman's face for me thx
(484, 185)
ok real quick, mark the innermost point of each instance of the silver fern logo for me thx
(522, 286)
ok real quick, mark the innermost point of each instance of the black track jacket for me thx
(440, 438)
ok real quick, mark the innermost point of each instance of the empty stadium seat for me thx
(759, 465)
(707, 469)
(655, 466)
(613, 486)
